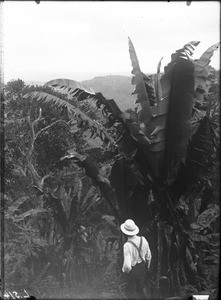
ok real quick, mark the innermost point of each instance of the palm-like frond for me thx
(56, 101)
(122, 122)
(82, 119)
(68, 85)
(82, 92)
(109, 109)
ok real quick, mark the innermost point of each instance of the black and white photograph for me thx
(110, 150)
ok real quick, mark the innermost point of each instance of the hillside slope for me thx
(115, 87)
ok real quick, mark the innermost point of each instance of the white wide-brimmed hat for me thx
(129, 227)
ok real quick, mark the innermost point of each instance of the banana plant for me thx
(77, 116)
(67, 206)
(161, 142)
(22, 243)
(159, 135)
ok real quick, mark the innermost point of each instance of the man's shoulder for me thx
(144, 239)
(127, 246)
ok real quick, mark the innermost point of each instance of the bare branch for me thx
(39, 118)
(43, 178)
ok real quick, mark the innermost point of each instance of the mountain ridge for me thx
(117, 87)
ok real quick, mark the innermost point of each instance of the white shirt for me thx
(131, 255)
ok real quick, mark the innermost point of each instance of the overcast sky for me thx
(80, 40)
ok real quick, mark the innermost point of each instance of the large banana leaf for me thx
(173, 125)
(166, 117)
(128, 130)
(82, 92)
(142, 87)
(57, 102)
(170, 130)
(173, 120)
(109, 109)
(115, 118)
(180, 104)
(68, 85)
(202, 85)
(76, 113)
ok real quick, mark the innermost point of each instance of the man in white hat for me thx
(136, 254)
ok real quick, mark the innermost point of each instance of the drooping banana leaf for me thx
(54, 100)
(68, 85)
(110, 110)
(83, 92)
(77, 114)
(108, 107)
(113, 113)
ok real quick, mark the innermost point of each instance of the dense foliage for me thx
(76, 166)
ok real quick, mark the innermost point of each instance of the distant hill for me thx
(115, 87)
